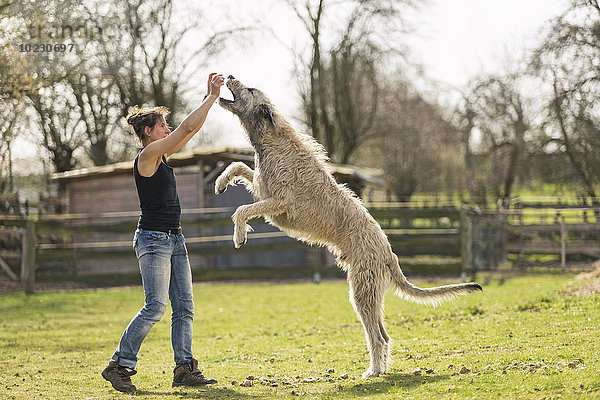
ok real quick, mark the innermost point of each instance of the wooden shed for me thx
(106, 195)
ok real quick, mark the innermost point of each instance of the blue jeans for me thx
(166, 273)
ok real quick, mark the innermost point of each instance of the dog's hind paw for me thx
(370, 374)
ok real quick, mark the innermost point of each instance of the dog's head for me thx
(251, 105)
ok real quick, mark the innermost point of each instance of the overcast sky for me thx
(464, 37)
(454, 40)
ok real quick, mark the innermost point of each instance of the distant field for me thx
(522, 338)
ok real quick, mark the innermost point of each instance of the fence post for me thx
(28, 258)
(503, 240)
(563, 245)
(465, 221)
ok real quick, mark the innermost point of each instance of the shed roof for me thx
(212, 157)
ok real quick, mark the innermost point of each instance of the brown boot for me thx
(190, 375)
(119, 377)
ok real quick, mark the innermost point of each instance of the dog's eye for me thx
(251, 90)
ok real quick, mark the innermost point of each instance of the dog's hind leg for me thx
(367, 298)
(386, 347)
(233, 171)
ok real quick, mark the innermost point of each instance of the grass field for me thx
(523, 337)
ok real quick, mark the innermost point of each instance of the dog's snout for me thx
(230, 77)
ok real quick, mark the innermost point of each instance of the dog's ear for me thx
(265, 111)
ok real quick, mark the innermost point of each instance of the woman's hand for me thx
(215, 81)
(153, 152)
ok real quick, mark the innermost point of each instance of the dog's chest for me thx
(262, 182)
(261, 190)
(270, 177)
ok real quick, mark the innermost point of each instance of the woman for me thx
(159, 244)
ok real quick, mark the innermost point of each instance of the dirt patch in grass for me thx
(586, 290)
(593, 284)
(594, 274)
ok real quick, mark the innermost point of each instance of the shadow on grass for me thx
(193, 393)
(390, 382)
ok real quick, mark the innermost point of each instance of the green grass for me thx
(303, 340)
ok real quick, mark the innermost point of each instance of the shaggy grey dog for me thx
(295, 191)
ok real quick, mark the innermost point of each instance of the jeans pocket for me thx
(156, 236)
(145, 236)
(151, 242)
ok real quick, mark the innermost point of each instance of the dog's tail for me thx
(430, 296)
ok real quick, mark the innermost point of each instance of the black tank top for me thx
(159, 202)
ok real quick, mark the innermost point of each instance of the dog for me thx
(296, 192)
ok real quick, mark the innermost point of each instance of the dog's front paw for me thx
(220, 185)
(240, 236)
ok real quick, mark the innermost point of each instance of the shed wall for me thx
(117, 193)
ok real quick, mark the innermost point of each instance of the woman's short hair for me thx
(141, 117)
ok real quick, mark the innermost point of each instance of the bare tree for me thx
(46, 92)
(14, 81)
(96, 99)
(128, 54)
(11, 119)
(352, 90)
(574, 129)
(499, 111)
(145, 57)
(58, 120)
(311, 15)
(340, 98)
(416, 147)
(140, 59)
(143, 61)
(462, 117)
(568, 61)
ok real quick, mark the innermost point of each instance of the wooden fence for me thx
(426, 239)
(493, 237)
(439, 239)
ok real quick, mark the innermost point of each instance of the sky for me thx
(461, 38)
(454, 40)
